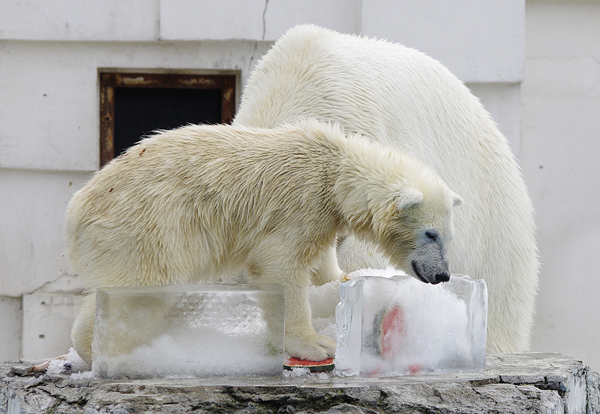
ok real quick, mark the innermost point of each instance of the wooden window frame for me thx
(111, 79)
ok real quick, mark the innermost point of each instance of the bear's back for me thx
(209, 190)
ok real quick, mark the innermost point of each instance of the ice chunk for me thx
(323, 300)
(70, 363)
(399, 325)
(387, 272)
(188, 330)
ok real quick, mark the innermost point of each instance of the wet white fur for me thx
(197, 202)
(407, 100)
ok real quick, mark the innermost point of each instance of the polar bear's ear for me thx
(456, 200)
(408, 198)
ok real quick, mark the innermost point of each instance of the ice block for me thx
(188, 330)
(399, 326)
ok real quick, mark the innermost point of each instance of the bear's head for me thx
(415, 227)
(399, 203)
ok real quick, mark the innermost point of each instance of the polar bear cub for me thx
(194, 203)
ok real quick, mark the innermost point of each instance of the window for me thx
(133, 105)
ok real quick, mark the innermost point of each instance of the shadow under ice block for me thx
(189, 330)
(400, 326)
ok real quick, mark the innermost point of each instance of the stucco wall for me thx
(560, 153)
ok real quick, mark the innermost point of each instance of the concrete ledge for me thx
(511, 383)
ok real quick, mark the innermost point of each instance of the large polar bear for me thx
(409, 101)
(201, 201)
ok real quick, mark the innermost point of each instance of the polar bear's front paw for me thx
(312, 347)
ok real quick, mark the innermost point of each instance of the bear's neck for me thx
(362, 181)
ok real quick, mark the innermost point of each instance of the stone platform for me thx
(511, 383)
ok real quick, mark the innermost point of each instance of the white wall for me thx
(479, 41)
(50, 53)
(133, 20)
(10, 328)
(560, 157)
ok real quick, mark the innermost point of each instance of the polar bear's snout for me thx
(431, 275)
(431, 266)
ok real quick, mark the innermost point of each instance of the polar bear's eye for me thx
(431, 235)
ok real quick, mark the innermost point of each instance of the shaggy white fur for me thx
(198, 202)
(409, 101)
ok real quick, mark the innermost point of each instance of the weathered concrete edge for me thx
(542, 382)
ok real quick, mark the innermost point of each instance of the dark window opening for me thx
(134, 105)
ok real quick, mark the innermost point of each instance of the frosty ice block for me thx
(188, 330)
(399, 325)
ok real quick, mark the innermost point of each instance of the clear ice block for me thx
(399, 325)
(188, 330)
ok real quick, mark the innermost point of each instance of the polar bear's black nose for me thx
(441, 277)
